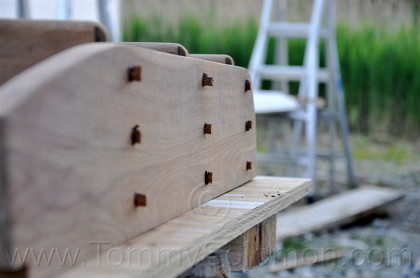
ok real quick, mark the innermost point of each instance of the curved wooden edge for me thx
(18, 89)
(37, 74)
(25, 43)
(172, 48)
(101, 32)
(180, 50)
(218, 58)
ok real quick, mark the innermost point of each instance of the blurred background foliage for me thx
(380, 68)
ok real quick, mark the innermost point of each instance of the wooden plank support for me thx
(173, 247)
(25, 43)
(106, 141)
(244, 252)
(252, 247)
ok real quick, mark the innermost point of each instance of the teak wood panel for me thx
(173, 247)
(71, 170)
(27, 42)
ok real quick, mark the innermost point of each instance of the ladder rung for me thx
(293, 73)
(292, 30)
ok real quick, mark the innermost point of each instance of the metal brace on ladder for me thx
(303, 110)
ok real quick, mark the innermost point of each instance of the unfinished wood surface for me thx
(253, 246)
(336, 210)
(267, 230)
(172, 48)
(308, 260)
(178, 49)
(173, 247)
(243, 250)
(72, 169)
(218, 58)
(27, 42)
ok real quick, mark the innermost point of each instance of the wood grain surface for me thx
(71, 168)
(173, 247)
(252, 247)
(218, 58)
(27, 42)
(172, 48)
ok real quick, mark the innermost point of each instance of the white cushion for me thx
(274, 102)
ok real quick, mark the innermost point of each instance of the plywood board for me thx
(173, 247)
(335, 210)
(72, 170)
(27, 42)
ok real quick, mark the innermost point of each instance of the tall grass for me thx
(380, 69)
(236, 40)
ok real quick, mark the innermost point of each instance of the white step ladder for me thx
(303, 109)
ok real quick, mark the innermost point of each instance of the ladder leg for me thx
(345, 135)
(340, 96)
(331, 92)
(312, 61)
(298, 123)
(282, 53)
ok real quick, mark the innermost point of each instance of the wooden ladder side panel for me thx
(73, 170)
(25, 43)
